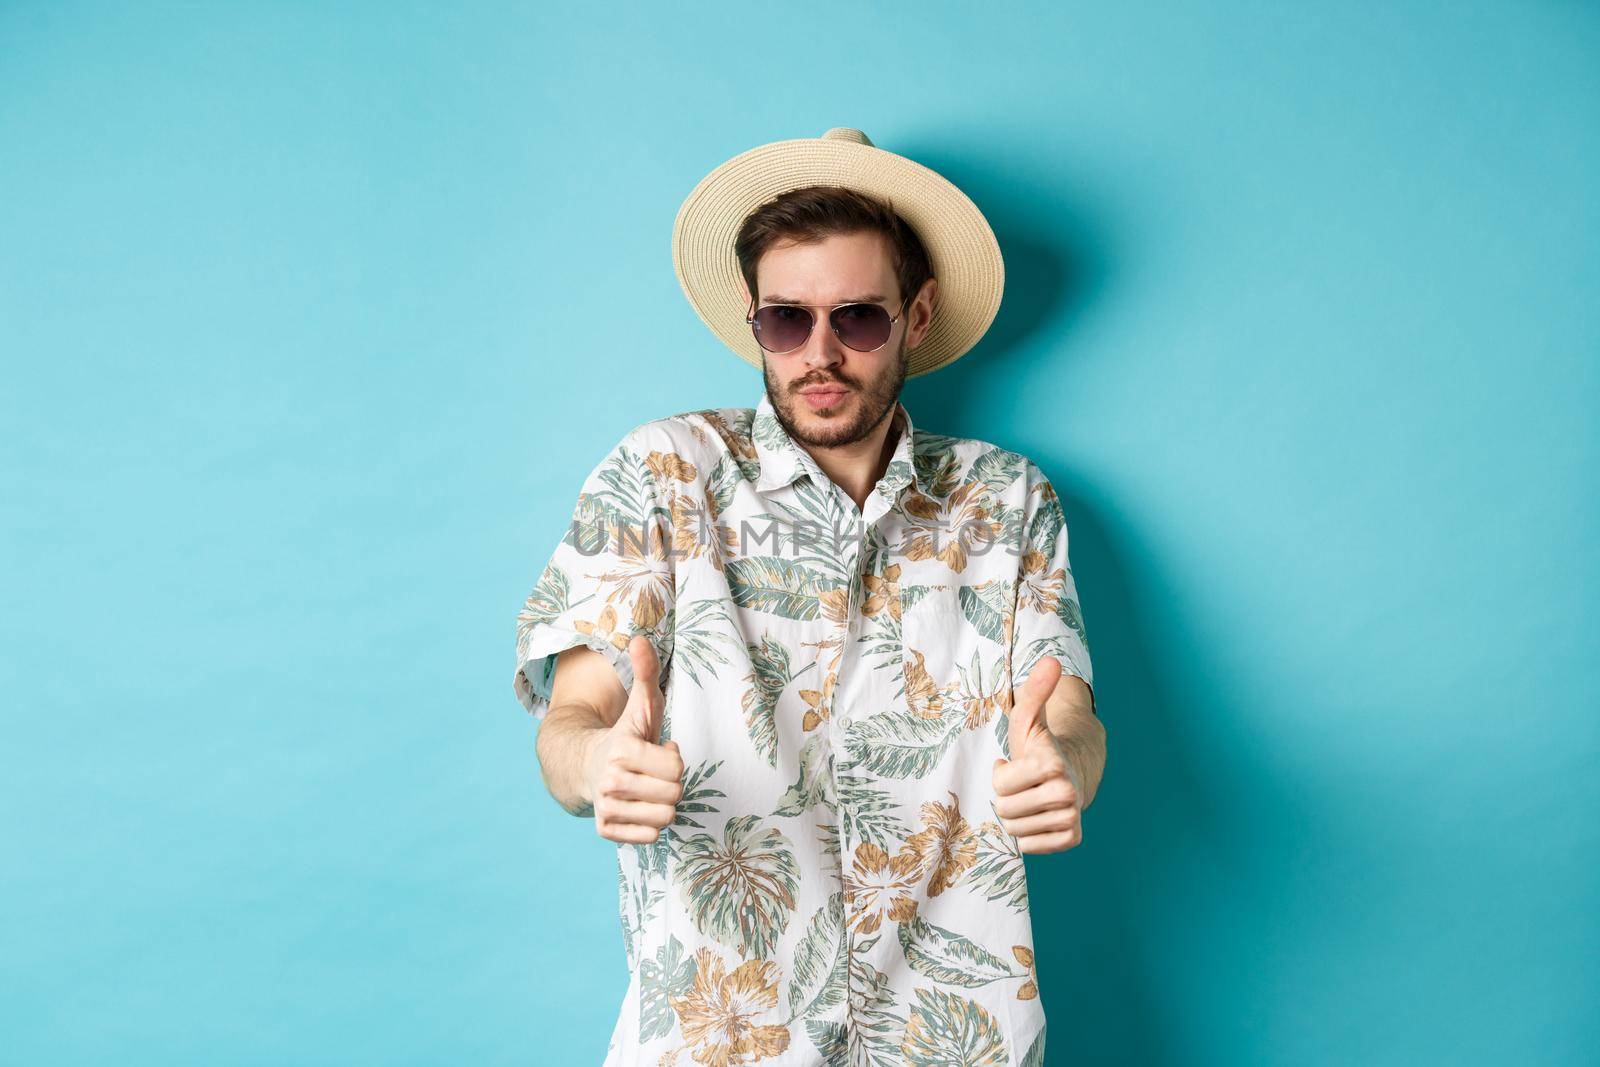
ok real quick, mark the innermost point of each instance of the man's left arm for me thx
(1056, 741)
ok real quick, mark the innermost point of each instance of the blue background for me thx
(313, 318)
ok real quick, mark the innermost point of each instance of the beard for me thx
(874, 400)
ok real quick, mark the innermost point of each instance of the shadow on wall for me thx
(1193, 865)
(1087, 903)
(1092, 953)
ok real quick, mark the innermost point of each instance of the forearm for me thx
(1079, 734)
(567, 735)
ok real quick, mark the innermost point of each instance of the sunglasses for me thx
(785, 327)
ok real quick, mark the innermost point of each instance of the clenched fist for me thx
(634, 782)
(1037, 792)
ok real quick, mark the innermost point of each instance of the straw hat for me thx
(961, 247)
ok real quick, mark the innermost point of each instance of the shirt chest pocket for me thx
(954, 634)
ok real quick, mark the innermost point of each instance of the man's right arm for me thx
(586, 700)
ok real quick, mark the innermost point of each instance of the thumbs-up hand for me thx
(1037, 790)
(635, 782)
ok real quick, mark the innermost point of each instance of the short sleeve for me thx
(1048, 619)
(611, 576)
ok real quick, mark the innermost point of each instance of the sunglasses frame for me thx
(750, 320)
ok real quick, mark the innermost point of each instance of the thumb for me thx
(1027, 711)
(644, 700)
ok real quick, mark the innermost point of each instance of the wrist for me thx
(1076, 776)
(588, 742)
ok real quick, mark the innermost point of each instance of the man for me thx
(819, 673)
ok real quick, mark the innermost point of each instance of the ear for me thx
(919, 313)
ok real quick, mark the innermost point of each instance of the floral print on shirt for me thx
(836, 888)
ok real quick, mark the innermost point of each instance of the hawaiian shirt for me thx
(837, 888)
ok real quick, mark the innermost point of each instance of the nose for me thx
(823, 348)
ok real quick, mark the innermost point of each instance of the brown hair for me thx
(819, 211)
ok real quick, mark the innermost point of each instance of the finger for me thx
(1056, 842)
(1042, 680)
(1044, 794)
(644, 699)
(647, 758)
(1021, 721)
(633, 812)
(1043, 822)
(637, 720)
(646, 665)
(1027, 715)
(623, 784)
(1012, 776)
(628, 833)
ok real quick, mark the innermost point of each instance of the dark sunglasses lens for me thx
(781, 328)
(864, 327)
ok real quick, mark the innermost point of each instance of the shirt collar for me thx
(782, 461)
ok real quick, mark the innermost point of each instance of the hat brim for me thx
(961, 246)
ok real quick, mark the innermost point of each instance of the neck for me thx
(857, 467)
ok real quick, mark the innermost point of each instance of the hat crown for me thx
(847, 133)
